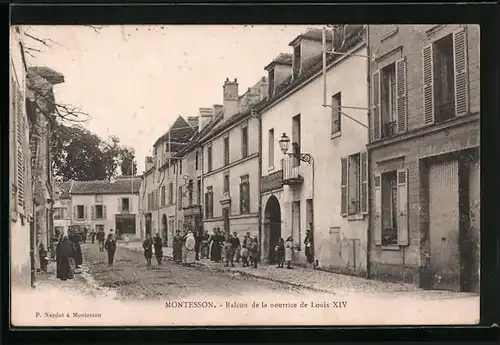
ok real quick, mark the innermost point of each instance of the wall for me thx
(64, 222)
(348, 77)
(112, 202)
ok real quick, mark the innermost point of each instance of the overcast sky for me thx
(135, 80)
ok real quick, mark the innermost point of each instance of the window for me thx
(226, 183)
(271, 83)
(198, 192)
(162, 196)
(190, 192)
(99, 212)
(388, 100)
(336, 113)
(270, 155)
(125, 205)
(209, 158)
(354, 184)
(98, 198)
(57, 213)
(179, 198)
(244, 195)
(445, 74)
(296, 139)
(226, 151)
(20, 156)
(170, 193)
(296, 60)
(209, 203)
(244, 141)
(63, 213)
(444, 83)
(80, 212)
(391, 208)
(196, 161)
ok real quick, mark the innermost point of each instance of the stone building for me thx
(424, 155)
(62, 207)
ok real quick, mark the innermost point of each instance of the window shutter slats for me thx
(401, 101)
(428, 84)
(119, 205)
(461, 72)
(104, 213)
(130, 206)
(376, 119)
(402, 180)
(206, 205)
(242, 199)
(343, 186)
(364, 182)
(74, 212)
(94, 211)
(85, 212)
(20, 143)
(377, 214)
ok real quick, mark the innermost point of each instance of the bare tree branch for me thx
(44, 42)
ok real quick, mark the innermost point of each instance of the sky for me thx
(134, 81)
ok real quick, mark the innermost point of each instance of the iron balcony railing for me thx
(291, 170)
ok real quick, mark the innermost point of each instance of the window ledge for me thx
(355, 217)
(271, 168)
(336, 135)
(392, 247)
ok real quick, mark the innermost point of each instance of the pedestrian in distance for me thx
(229, 251)
(44, 261)
(92, 235)
(255, 252)
(158, 248)
(205, 245)
(245, 252)
(280, 253)
(148, 250)
(78, 257)
(289, 252)
(177, 247)
(249, 247)
(197, 248)
(100, 238)
(215, 246)
(236, 247)
(110, 247)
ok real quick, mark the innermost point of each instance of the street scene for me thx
(319, 176)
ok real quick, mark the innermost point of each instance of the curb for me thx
(246, 274)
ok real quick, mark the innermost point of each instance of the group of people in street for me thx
(148, 245)
(68, 253)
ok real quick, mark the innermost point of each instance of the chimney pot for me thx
(235, 80)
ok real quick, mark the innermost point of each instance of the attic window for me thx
(271, 82)
(296, 60)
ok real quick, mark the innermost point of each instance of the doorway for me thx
(273, 225)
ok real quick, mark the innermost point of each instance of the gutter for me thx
(261, 242)
(368, 151)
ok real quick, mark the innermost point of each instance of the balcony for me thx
(226, 198)
(291, 171)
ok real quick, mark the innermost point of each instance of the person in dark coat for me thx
(177, 247)
(158, 248)
(280, 253)
(197, 246)
(110, 247)
(229, 251)
(205, 245)
(92, 235)
(215, 249)
(85, 234)
(75, 238)
(43, 257)
(64, 252)
(148, 249)
(236, 244)
(101, 236)
(309, 244)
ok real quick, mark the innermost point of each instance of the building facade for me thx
(424, 155)
(231, 163)
(62, 207)
(22, 239)
(327, 191)
(107, 205)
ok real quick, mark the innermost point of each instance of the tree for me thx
(128, 165)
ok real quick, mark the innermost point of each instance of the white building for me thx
(107, 205)
(62, 207)
(331, 190)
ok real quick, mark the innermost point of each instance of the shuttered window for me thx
(377, 212)
(364, 182)
(376, 106)
(461, 72)
(354, 184)
(20, 146)
(401, 98)
(343, 186)
(428, 84)
(402, 205)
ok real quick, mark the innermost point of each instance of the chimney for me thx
(205, 117)
(149, 163)
(306, 48)
(278, 70)
(231, 98)
(193, 121)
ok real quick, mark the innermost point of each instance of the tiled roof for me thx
(64, 187)
(180, 130)
(121, 185)
(313, 34)
(282, 59)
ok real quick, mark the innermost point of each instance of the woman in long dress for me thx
(177, 247)
(158, 245)
(64, 252)
(215, 247)
(189, 248)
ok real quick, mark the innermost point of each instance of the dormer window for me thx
(271, 82)
(296, 60)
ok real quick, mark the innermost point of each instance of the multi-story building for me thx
(424, 155)
(321, 182)
(22, 239)
(106, 205)
(62, 207)
(231, 162)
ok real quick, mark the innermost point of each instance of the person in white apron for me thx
(189, 249)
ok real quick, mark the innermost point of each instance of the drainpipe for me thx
(368, 89)
(261, 242)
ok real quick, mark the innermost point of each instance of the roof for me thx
(64, 187)
(48, 74)
(181, 131)
(121, 185)
(282, 59)
(312, 34)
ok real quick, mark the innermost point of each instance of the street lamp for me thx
(285, 144)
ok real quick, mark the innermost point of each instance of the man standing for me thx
(236, 245)
(100, 238)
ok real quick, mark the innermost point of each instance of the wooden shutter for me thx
(130, 208)
(85, 212)
(119, 205)
(363, 165)
(428, 84)
(242, 206)
(377, 221)
(247, 194)
(376, 119)
(402, 180)
(75, 213)
(20, 144)
(461, 72)
(401, 101)
(104, 214)
(94, 211)
(343, 186)
(206, 205)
